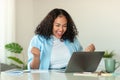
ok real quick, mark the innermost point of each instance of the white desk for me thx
(53, 75)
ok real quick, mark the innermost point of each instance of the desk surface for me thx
(53, 75)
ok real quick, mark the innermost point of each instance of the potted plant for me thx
(110, 62)
(107, 55)
(15, 48)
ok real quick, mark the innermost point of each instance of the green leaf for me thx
(14, 47)
(25, 67)
(16, 60)
(109, 54)
(16, 66)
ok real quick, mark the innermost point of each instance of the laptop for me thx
(84, 61)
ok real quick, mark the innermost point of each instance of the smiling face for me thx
(59, 26)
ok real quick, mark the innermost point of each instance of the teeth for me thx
(60, 33)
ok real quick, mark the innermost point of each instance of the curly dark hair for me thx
(45, 27)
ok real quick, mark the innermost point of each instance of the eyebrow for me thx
(60, 24)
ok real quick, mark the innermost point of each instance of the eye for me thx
(64, 25)
(57, 25)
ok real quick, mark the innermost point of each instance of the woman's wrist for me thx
(36, 57)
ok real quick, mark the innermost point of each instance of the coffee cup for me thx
(111, 65)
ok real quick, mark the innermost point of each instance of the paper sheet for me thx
(92, 74)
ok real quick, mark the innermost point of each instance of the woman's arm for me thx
(36, 58)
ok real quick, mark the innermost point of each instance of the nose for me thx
(61, 28)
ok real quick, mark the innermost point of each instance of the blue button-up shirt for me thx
(45, 47)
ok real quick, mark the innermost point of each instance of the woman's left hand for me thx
(90, 48)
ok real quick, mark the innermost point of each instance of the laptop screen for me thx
(84, 61)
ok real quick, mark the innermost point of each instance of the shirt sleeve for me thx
(36, 41)
(78, 45)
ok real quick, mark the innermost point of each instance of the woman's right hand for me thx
(35, 51)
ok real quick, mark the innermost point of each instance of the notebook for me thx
(84, 62)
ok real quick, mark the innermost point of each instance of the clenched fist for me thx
(90, 48)
(35, 51)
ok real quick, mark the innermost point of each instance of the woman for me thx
(54, 42)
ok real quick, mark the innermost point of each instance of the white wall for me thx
(24, 23)
(98, 21)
